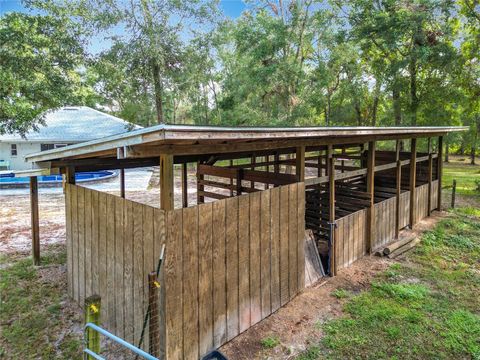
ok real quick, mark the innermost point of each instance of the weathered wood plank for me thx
(232, 267)
(110, 223)
(148, 261)
(119, 266)
(301, 235)
(275, 247)
(284, 253)
(69, 239)
(292, 240)
(219, 270)
(205, 281)
(75, 245)
(88, 243)
(102, 248)
(81, 241)
(138, 271)
(190, 283)
(244, 261)
(255, 269)
(128, 271)
(265, 251)
(95, 248)
(174, 286)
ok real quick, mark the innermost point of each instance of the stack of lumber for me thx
(313, 265)
(398, 247)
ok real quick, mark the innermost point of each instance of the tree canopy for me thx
(297, 62)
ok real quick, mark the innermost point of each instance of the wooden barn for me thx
(237, 254)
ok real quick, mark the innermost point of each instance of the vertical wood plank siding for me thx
(228, 264)
(233, 265)
(112, 244)
(351, 228)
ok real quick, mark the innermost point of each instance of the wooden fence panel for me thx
(242, 284)
(112, 244)
(228, 264)
(384, 222)
(351, 239)
(434, 195)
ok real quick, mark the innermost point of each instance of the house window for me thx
(13, 149)
(44, 147)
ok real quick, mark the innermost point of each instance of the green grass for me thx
(465, 174)
(270, 342)
(425, 308)
(32, 314)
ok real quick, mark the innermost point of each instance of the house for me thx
(66, 126)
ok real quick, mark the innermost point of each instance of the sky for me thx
(230, 8)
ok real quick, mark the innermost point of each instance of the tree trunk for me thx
(158, 91)
(358, 112)
(327, 113)
(446, 152)
(413, 91)
(473, 149)
(397, 110)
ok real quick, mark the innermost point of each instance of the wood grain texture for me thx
(205, 281)
(231, 244)
(219, 279)
(190, 283)
(275, 247)
(244, 261)
(265, 251)
(255, 265)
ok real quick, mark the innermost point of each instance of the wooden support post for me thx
(276, 167)
(200, 187)
(454, 190)
(231, 180)
(430, 169)
(184, 185)
(34, 220)
(154, 324)
(68, 177)
(239, 181)
(439, 172)
(343, 161)
(166, 182)
(122, 183)
(413, 180)
(253, 162)
(92, 315)
(398, 187)
(266, 168)
(319, 170)
(331, 208)
(300, 163)
(371, 192)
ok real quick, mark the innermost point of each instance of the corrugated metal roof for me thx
(75, 124)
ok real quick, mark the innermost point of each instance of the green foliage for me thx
(340, 293)
(428, 309)
(270, 342)
(39, 60)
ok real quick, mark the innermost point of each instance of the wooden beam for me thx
(200, 186)
(439, 172)
(300, 163)
(231, 179)
(166, 182)
(413, 180)
(122, 183)
(429, 175)
(371, 192)
(184, 185)
(35, 220)
(331, 211)
(398, 179)
(253, 162)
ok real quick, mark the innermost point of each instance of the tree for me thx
(40, 58)
(153, 42)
